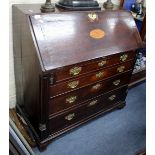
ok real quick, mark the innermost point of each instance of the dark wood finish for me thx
(64, 73)
(59, 103)
(27, 68)
(83, 111)
(43, 144)
(48, 47)
(90, 78)
(78, 34)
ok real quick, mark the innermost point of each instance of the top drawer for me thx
(85, 67)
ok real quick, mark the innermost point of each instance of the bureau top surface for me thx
(71, 37)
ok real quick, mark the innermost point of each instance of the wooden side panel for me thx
(28, 70)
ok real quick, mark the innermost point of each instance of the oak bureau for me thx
(71, 67)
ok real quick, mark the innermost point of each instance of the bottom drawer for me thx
(89, 108)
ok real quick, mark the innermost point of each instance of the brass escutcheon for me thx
(102, 63)
(75, 70)
(73, 84)
(70, 116)
(123, 57)
(99, 75)
(71, 99)
(97, 86)
(121, 69)
(112, 97)
(92, 17)
(92, 103)
(117, 82)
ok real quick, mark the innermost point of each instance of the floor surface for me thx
(121, 132)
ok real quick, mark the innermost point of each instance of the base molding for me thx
(43, 144)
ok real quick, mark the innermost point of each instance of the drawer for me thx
(71, 85)
(85, 67)
(74, 98)
(89, 108)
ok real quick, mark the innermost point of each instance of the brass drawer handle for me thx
(123, 57)
(117, 82)
(71, 99)
(121, 69)
(73, 84)
(102, 63)
(70, 116)
(99, 75)
(75, 71)
(97, 86)
(112, 97)
(92, 103)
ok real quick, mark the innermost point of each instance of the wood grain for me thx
(54, 50)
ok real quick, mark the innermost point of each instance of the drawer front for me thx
(82, 68)
(89, 108)
(72, 99)
(90, 78)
